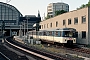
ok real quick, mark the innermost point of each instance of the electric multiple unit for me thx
(63, 36)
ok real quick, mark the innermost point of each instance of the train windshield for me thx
(68, 34)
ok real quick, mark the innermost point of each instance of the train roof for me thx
(66, 29)
(63, 29)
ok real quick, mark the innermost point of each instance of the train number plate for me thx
(70, 38)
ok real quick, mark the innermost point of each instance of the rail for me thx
(4, 56)
(44, 57)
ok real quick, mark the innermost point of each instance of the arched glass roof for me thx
(10, 6)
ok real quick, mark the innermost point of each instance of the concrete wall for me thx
(89, 25)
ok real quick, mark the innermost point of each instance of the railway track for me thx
(42, 54)
(3, 57)
(87, 51)
(75, 50)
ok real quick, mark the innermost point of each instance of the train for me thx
(64, 36)
(14, 33)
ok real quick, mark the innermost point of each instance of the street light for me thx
(20, 32)
(3, 28)
(27, 24)
(24, 28)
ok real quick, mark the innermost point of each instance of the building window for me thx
(50, 12)
(47, 25)
(49, 9)
(69, 21)
(83, 34)
(56, 24)
(83, 19)
(76, 20)
(44, 25)
(50, 24)
(64, 22)
(76, 34)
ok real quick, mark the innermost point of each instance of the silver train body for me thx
(65, 35)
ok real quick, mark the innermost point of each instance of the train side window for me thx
(44, 33)
(59, 33)
(37, 33)
(47, 33)
(40, 33)
(33, 33)
(50, 33)
(56, 33)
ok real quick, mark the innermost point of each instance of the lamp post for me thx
(7, 1)
(3, 28)
(27, 24)
(24, 31)
(24, 28)
(20, 32)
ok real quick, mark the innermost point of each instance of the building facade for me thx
(13, 19)
(78, 19)
(9, 14)
(52, 7)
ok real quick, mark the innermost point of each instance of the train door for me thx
(51, 36)
(44, 35)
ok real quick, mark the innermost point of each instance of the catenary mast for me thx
(7, 1)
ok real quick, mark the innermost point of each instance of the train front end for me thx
(69, 37)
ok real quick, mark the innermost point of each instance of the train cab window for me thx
(68, 34)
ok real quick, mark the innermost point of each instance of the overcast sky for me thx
(31, 7)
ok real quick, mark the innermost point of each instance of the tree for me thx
(88, 4)
(48, 16)
(59, 12)
(56, 13)
(84, 5)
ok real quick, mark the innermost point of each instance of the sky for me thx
(31, 7)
